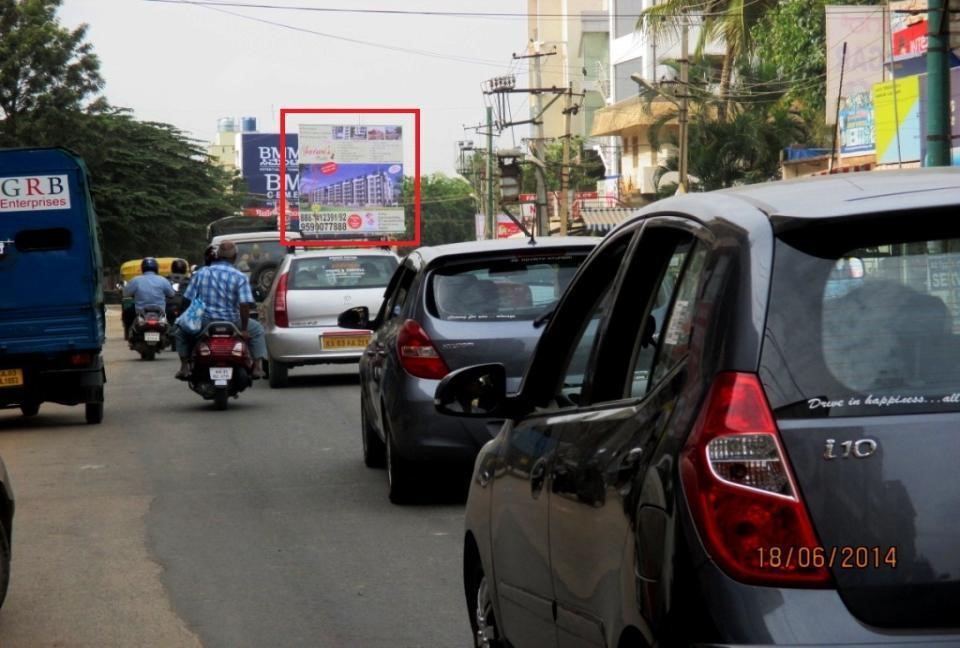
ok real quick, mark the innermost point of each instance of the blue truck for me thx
(52, 323)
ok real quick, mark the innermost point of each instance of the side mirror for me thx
(357, 317)
(479, 391)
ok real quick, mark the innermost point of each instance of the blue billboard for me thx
(260, 168)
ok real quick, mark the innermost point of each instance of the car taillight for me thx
(80, 359)
(203, 348)
(237, 348)
(280, 302)
(417, 354)
(742, 493)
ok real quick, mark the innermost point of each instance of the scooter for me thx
(149, 332)
(221, 364)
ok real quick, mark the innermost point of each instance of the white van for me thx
(258, 255)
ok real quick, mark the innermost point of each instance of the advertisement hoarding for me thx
(897, 109)
(857, 134)
(862, 29)
(260, 169)
(908, 28)
(351, 181)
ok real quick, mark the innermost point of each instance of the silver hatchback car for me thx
(310, 290)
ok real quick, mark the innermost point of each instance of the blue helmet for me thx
(149, 264)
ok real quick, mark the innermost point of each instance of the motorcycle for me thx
(220, 364)
(149, 332)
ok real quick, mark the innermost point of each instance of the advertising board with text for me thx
(351, 187)
(351, 181)
(260, 168)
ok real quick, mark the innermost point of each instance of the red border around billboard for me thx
(415, 241)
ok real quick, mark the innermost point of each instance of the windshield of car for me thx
(251, 254)
(514, 288)
(330, 273)
(873, 331)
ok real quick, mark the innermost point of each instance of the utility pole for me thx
(543, 214)
(505, 85)
(938, 85)
(565, 165)
(491, 214)
(683, 117)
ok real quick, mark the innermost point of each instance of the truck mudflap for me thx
(68, 379)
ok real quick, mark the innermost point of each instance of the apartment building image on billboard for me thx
(370, 187)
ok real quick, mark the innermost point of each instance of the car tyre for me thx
(30, 409)
(148, 354)
(401, 478)
(374, 450)
(486, 631)
(262, 278)
(220, 399)
(94, 413)
(277, 373)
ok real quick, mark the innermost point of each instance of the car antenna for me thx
(520, 224)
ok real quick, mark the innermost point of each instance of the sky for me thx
(188, 65)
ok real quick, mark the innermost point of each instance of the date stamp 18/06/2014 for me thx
(841, 557)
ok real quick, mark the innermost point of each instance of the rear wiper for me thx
(544, 317)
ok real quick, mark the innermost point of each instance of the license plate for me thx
(11, 377)
(344, 342)
(151, 336)
(220, 375)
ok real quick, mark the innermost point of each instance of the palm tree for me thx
(726, 21)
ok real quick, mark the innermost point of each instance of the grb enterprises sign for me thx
(260, 168)
(34, 193)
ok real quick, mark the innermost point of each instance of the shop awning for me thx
(602, 220)
(629, 113)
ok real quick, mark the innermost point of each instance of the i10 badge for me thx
(859, 449)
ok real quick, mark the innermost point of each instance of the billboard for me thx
(260, 169)
(897, 106)
(861, 28)
(351, 181)
(908, 28)
(857, 124)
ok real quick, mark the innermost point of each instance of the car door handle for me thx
(538, 474)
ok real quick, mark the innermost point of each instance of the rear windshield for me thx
(866, 330)
(251, 254)
(518, 288)
(330, 273)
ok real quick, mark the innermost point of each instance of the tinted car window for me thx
(660, 333)
(339, 272)
(518, 288)
(873, 330)
(250, 254)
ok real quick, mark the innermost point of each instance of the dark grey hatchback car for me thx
(446, 307)
(769, 459)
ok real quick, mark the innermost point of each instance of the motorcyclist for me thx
(178, 279)
(148, 290)
(227, 296)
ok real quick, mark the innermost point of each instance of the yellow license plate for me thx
(11, 377)
(343, 342)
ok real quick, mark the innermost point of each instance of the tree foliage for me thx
(730, 22)
(45, 70)
(447, 209)
(154, 188)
